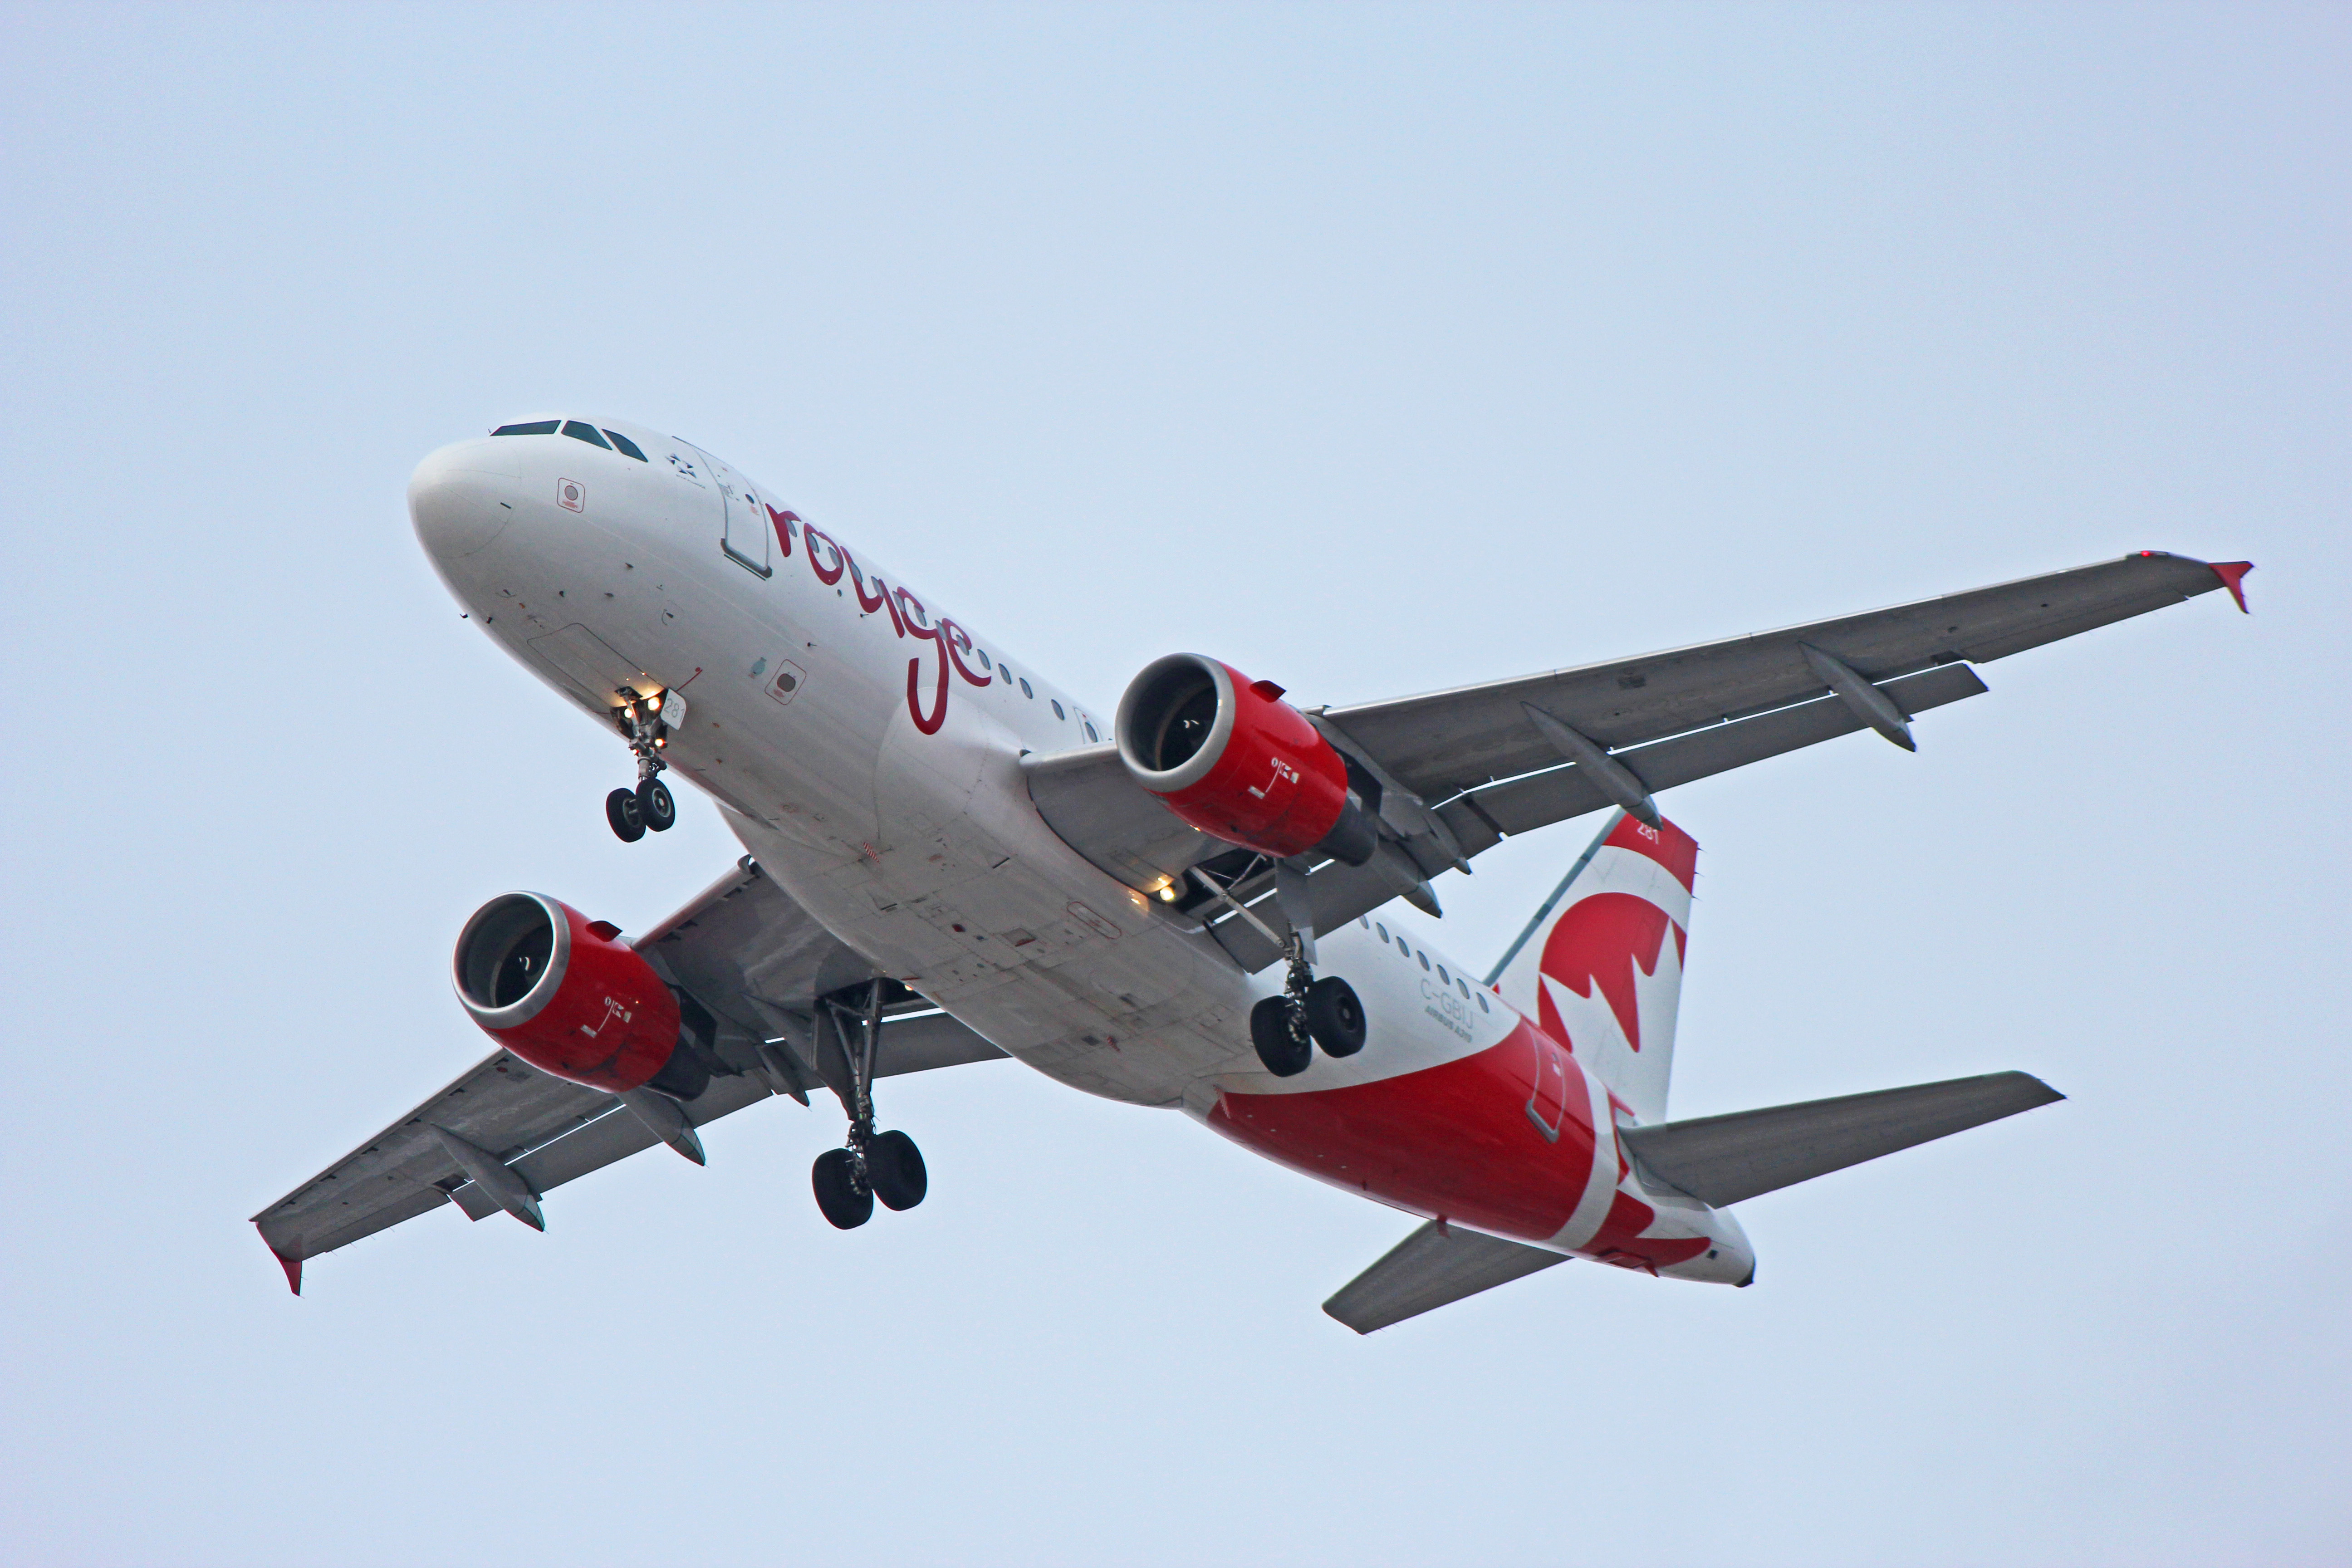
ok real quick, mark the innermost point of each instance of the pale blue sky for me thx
(1374, 348)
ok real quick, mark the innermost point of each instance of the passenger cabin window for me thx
(627, 448)
(1424, 961)
(1025, 690)
(1444, 978)
(1482, 1003)
(1058, 710)
(1458, 985)
(579, 431)
(1090, 731)
(536, 428)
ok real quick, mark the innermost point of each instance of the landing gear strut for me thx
(1285, 1029)
(645, 724)
(885, 1165)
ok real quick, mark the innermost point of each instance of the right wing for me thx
(1452, 774)
(752, 972)
(1450, 744)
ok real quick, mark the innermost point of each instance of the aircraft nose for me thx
(461, 496)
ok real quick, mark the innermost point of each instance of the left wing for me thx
(1452, 774)
(752, 970)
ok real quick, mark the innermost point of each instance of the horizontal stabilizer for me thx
(1721, 1160)
(1437, 1264)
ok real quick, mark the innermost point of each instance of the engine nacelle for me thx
(565, 995)
(1230, 757)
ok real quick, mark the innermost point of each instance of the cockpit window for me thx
(626, 447)
(579, 431)
(536, 428)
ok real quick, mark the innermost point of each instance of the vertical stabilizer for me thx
(1599, 968)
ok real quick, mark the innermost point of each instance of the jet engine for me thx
(565, 995)
(1230, 757)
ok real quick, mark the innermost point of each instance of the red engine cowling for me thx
(564, 994)
(1232, 759)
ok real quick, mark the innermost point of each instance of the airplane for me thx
(1185, 902)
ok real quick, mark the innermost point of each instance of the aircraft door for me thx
(745, 541)
(1548, 1105)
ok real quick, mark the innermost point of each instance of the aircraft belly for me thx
(1014, 936)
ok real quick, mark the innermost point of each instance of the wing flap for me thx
(1437, 1265)
(1724, 1160)
(1446, 742)
(1523, 805)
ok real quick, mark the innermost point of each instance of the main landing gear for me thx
(885, 1165)
(1285, 1029)
(645, 724)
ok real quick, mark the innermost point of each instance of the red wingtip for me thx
(2233, 576)
(293, 1267)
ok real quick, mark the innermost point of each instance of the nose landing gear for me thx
(885, 1165)
(1285, 1029)
(645, 724)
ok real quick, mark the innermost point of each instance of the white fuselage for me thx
(867, 754)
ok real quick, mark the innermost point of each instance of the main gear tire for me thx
(894, 1168)
(1335, 1018)
(1284, 1051)
(655, 805)
(846, 1202)
(621, 810)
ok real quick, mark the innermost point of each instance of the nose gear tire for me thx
(655, 805)
(846, 1202)
(1335, 1018)
(893, 1167)
(1284, 1050)
(622, 811)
